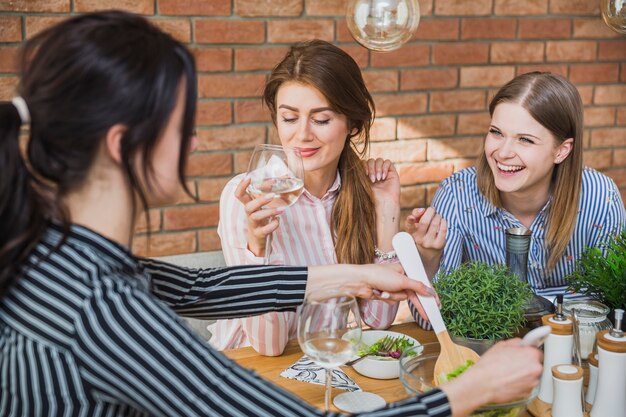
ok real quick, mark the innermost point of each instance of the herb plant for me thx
(601, 272)
(482, 301)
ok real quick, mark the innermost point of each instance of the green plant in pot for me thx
(601, 272)
(482, 301)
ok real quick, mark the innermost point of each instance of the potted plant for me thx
(482, 301)
(600, 272)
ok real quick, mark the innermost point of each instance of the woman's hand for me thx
(261, 221)
(429, 231)
(385, 180)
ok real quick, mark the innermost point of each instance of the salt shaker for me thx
(610, 399)
(593, 378)
(568, 384)
(557, 348)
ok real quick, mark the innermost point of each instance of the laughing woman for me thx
(530, 174)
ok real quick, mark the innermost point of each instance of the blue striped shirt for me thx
(91, 330)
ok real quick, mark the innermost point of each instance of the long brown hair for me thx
(335, 74)
(555, 103)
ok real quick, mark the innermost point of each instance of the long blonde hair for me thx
(335, 74)
(556, 104)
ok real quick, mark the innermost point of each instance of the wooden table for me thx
(271, 367)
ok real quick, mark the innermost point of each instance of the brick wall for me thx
(431, 95)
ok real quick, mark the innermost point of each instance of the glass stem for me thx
(268, 249)
(329, 384)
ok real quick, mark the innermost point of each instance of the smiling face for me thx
(305, 120)
(521, 152)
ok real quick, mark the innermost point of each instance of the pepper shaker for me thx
(568, 383)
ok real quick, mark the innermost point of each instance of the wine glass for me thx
(329, 330)
(279, 170)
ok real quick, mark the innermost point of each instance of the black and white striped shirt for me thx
(91, 330)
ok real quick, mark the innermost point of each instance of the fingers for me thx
(240, 191)
(431, 229)
(378, 169)
(418, 306)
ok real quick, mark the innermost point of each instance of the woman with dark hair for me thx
(319, 104)
(87, 328)
(530, 174)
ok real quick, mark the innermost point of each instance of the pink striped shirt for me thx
(302, 238)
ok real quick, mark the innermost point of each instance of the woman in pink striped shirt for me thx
(349, 210)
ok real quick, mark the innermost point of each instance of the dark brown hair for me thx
(79, 79)
(556, 104)
(337, 76)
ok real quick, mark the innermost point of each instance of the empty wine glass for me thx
(279, 170)
(329, 330)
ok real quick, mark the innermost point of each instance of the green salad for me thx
(400, 344)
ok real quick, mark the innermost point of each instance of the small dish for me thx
(379, 367)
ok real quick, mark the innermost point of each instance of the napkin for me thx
(308, 371)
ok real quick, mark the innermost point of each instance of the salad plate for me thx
(382, 365)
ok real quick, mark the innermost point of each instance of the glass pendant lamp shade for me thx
(614, 14)
(382, 25)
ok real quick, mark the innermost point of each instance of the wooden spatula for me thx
(452, 355)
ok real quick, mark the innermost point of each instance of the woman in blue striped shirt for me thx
(86, 327)
(530, 174)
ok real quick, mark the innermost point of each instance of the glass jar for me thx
(592, 317)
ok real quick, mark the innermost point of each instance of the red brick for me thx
(586, 94)
(343, 33)
(358, 53)
(608, 137)
(210, 189)
(384, 128)
(575, 7)
(426, 7)
(326, 7)
(155, 222)
(164, 244)
(460, 164)
(258, 58)
(230, 85)
(619, 157)
(612, 50)
(437, 30)
(213, 113)
(37, 6)
(516, 52)
(145, 7)
(209, 240)
(232, 137)
(379, 81)
(593, 73)
(597, 159)
(289, 31)
(599, 116)
(431, 189)
(413, 196)
(230, 31)
(400, 150)
(490, 76)
(9, 58)
(613, 94)
(619, 176)
(400, 104)
(209, 164)
(213, 59)
(439, 149)
(592, 28)
(199, 215)
(425, 126)
(460, 53)
(450, 101)
(242, 159)
(268, 7)
(427, 79)
(545, 28)
(35, 24)
(621, 116)
(10, 29)
(521, 8)
(424, 173)
(407, 56)
(462, 8)
(553, 68)
(183, 197)
(247, 111)
(8, 86)
(488, 28)
(195, 7)
(571, 50)
(473, 123)
(180, 29)
(622, 76)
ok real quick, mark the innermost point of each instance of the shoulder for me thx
(594, 182)
(461, 186)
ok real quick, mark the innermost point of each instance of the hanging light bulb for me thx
(614, 15)
(382, 25)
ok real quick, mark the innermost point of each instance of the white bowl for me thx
(378, 367)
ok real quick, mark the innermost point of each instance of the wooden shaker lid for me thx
(609, 344)
(593, 359)
(567, 372)
(561, 328)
